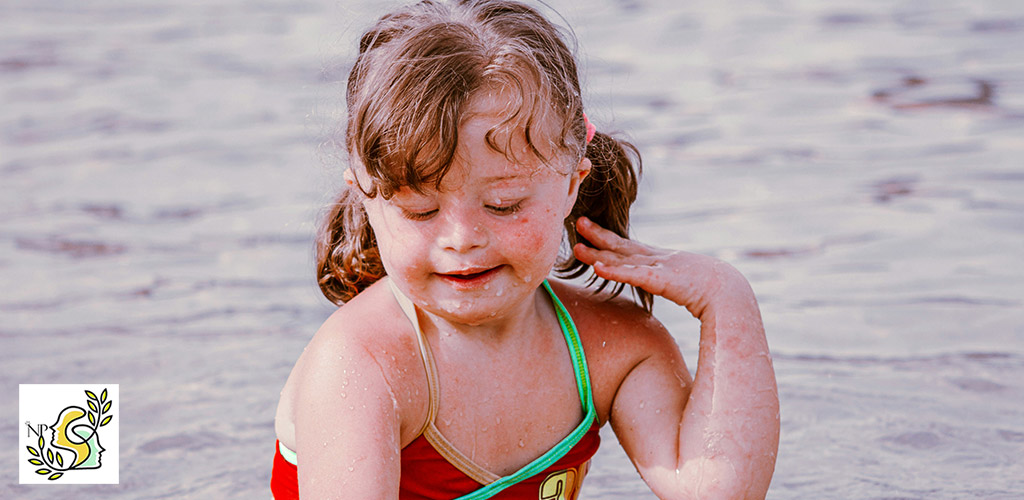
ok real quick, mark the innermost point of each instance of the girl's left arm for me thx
(716, 437)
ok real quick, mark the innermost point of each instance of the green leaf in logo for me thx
(32, 451)
(92, 419)
(106, 407)
(49, 456)
(93, 407)
(43, 471)
(56, 476)
(41, 442)
(60, 460)
(90, 394)
(106, 421)
(103, 396)
(35, 461)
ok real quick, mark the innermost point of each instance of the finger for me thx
(644, 277)
(589, 255)
(605, 239)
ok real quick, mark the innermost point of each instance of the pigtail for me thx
(347, 259)
(605, 197)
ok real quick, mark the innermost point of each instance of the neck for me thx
(520, 322)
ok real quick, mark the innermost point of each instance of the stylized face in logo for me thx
(74, 437)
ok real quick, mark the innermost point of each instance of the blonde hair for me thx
(416, 70)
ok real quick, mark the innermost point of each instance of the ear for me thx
(581, 172)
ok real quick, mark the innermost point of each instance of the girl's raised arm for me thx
(720, 440)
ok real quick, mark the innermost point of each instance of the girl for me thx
(455, 369)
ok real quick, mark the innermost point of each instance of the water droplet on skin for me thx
(522, 444)
(350, 468)
(487, 286)
(643, 403)
(343, 396)
(603, 343)
(500, 293)
(657, 412)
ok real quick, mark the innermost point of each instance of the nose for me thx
(461, 233)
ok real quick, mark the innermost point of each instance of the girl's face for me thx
(479, 246)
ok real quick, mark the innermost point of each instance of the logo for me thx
(70, 433)
(564, 484)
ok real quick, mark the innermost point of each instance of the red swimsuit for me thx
(433, 469)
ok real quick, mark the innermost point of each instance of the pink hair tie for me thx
(591, 129)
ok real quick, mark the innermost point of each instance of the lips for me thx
(469, 277)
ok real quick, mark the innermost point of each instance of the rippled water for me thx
(860, 161)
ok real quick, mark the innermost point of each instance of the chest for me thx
(502, 409)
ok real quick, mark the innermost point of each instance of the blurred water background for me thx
(861, 161)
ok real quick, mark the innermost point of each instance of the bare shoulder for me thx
(617, 335)
(367, 337)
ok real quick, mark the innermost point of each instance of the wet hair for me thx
(416, 71)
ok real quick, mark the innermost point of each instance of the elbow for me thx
(717, 479)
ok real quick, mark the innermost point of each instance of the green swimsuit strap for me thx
(579, 367)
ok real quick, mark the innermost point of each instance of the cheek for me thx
(536, 234)
(394, 241)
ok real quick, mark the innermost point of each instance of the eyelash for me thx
(506, 210)
(418, 216)
(497, 210)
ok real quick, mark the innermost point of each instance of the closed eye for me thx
(418, 215)
(505, 209)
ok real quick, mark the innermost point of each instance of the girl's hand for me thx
(726, 421)
(690, 280)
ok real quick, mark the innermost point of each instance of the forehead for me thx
(510, 123)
